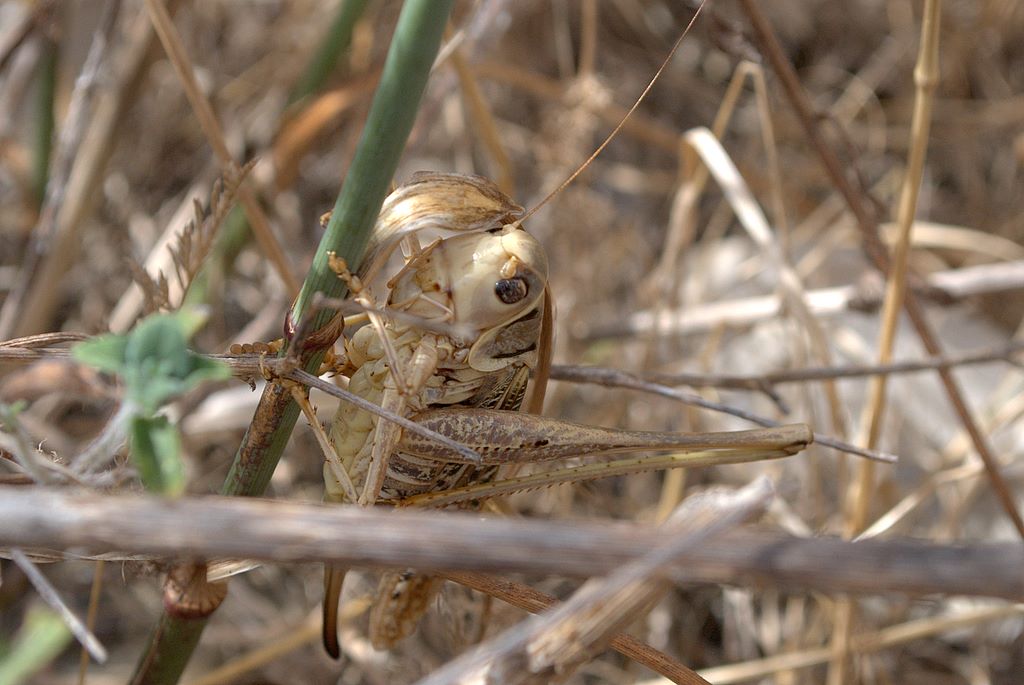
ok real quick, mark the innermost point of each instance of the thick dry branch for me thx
(534, 601)
(559, 640)
(212, 527)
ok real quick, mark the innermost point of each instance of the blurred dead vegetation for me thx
(640, 285)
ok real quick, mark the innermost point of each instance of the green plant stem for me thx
(416, 41)
(170, 648)
(388, 125)
(337, 40)
(46, 87)
(413, 49)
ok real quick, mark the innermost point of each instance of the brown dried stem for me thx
(868, 225)
(863, 643)
(211, 128)
(558, 641)
(861, 493)
(942, 287)
(60, 232)
(535, 601)
(72, 132)
(38, 348)
(483, 120)
(38, 519)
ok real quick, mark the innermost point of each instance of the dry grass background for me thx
(605, 236)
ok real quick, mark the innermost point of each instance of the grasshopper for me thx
(489, 283)
(471, 316)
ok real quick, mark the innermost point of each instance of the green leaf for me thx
(40, 639)
(105, 353)
(158, 344)
(153, 359)
(156, 451)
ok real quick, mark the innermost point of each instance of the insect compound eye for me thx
(511, 290)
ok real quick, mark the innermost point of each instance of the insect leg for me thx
(361, 294)
(402, 599)
(387, 434)
(334, 577)
(505, 437)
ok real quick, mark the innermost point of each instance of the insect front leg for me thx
(386, 436)
(361, 295)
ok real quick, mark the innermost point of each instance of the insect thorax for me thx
(453, 383)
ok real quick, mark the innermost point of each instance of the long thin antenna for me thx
(618, 127)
